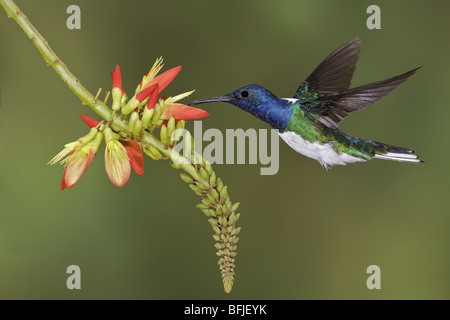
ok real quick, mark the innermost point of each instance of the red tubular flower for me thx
(183, 112)
(164, 79)
(153, 97)
(89, 121)
(116, 77)
(145, 93)
(134, 152)
(117, 90)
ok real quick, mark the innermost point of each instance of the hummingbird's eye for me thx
(244, 94)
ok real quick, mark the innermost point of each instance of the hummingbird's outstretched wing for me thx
(334, 74)
(326, 94)
(332, 109)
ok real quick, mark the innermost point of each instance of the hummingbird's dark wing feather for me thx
(334, 108)
(334, 74)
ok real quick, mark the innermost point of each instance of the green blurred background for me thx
(306, 233)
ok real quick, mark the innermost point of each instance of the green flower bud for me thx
(156, 114)
(147, 117)
(195, 189)
(137, 127)
(207, 212)
(212, 212)
(224, 192)
(148, 149)
(130, 106)
(163, 134)
(212, 179)
(210, 198)
(206, 202)
(208, 167)
(219, 184)
(175, 165)
(197, 159)
(202, 185)
(176, 135)
(149, 153)
(219, 211)
(212, 222)
(188, 146)
(117, 97)
(170, 126)
(215, 194)
(186, 178)
(233, 218)
(181, 124)
(201, 206)
(228, 203)
(204, 174)
(133, 118)
(236, 231)
(224, 222)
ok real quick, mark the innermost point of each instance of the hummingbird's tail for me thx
(389, 152)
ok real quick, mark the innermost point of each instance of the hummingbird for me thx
(309, 121)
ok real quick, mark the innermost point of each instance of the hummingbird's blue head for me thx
(247, 98)
(260, 102)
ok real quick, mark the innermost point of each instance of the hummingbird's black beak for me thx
(213, 99)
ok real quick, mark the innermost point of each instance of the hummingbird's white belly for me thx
(324, 153)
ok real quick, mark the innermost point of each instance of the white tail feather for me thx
(402, 157)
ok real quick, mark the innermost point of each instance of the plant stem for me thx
(52, 60)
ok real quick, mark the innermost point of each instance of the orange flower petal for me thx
(148, 90)
(183, 112)
(117, 163)
(117, 78)
(165, 78)
(89, 121)
(134, 152)
(74, 170)
(153, 98)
